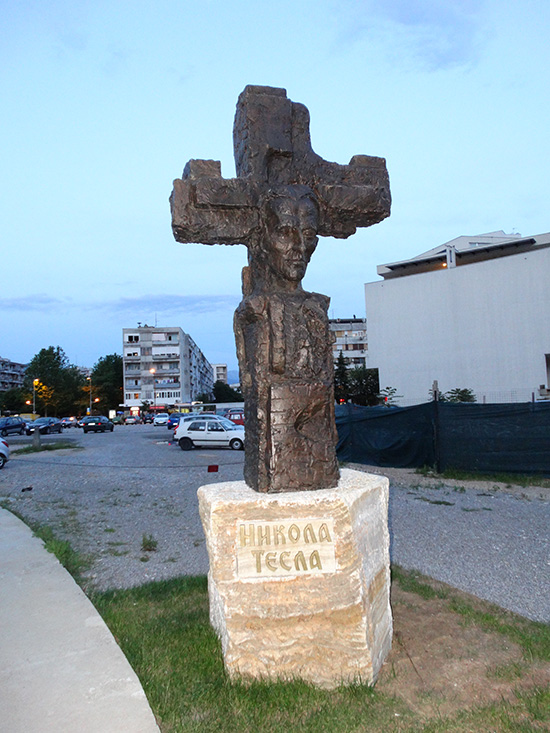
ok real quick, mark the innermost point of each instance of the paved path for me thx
(60, 668)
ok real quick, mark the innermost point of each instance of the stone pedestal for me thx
(299, 582)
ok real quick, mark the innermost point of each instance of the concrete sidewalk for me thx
(60, 667)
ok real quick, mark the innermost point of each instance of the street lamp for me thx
(90, 408)
(34, 383)
(153, 371)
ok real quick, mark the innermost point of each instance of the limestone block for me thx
(299, 581)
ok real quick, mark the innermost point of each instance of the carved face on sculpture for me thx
(290, 220)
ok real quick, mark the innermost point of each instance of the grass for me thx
(509, 479)
(148, 543)
(59, 445)
(163, 628)
(74, 562)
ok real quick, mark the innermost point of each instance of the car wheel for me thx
(47, 431)
(236, 444)
(2, 460)
(85, 430)
(22, 431)
(185, 443)
(4, 433)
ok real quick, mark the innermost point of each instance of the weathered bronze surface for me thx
(284, 196)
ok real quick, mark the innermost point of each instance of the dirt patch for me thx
(440, 665)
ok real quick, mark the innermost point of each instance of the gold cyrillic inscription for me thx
(276, 549)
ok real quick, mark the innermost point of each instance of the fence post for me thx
(436, 436)
(351, 435)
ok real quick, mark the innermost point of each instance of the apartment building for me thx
(11, 374)
(164, 367)
(220, 372)
(350, 338)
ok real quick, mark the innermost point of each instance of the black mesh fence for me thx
(511, 438)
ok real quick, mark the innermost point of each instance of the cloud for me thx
(432, 33)
(166, 303)
(33, 302)
(141, 304)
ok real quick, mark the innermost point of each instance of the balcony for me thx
(167, 355)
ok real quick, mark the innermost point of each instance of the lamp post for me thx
(34, 383)
(153, 371)
(90, 408)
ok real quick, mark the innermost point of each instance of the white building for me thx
(220, 373)
(11, 374)
(350, 338)
(164, 367)
(472, 313)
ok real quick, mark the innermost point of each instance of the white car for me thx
(161, 418)
(209, 431)
(4, 452)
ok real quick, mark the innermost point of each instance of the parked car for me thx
(147, 418)
(236, 415)
(174, 420)
(97, 424)
(132, 420)
(117, 420)
(161, 418)
(80, 422)
(215, 432)
(45, 425)
(4, 453)
(11, 425)
(69, 422)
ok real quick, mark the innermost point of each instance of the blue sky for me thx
(104, 102)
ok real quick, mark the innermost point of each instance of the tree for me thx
(364, 385)
(107, 376)
(44, 394)
(459, 395)
(63, 381)
(341, 380)
(224, 393)
(388, 396)
(13, 400)
(203, 397)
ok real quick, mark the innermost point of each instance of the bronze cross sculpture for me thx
(283, 197)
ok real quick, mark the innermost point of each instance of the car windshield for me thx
(41, 420)
(228, 424)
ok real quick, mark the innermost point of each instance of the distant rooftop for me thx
(465, 250)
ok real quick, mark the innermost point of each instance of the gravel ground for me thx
(491, 540)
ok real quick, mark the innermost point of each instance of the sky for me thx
(103, 103)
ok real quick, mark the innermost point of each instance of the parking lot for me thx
(123, 486)
(115, 489)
